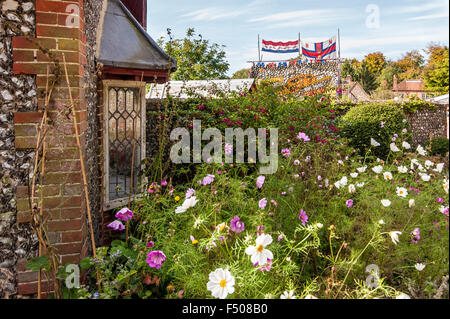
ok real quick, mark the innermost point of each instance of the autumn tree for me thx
(375, 62)
(437, 69)
(197, 58)
(411, 65)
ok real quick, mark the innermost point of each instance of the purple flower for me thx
(266, 267)
(155, 259)
(228, 149)
(285, 152)
(303, 136)
(260, 229)
(415, 234)
(260, 181)
(303, 217)
(349, 203)
(208, 179)
(190, 192)
(150, 244)
(274, 202)
(236, 225)
(262, 203)
(116, 225)
(440, 200)
(280, 238)
(164, 183)
(124, 214)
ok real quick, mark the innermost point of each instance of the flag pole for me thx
(339, 65)
(299, 47)
(259, 50)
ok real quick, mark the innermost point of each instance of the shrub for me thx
(439, 146)
(378, 121)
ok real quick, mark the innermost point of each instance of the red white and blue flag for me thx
(320, 51)
(280, 47)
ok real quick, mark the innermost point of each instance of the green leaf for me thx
(38, 263)
(85, 263)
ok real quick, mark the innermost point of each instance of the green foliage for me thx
(364, 122)
(241, 74)
(437, 77)
(414, 104)
(197, 58)
(39, 263)
(439, 146)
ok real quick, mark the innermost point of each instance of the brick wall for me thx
(61, 186)
(426, 123)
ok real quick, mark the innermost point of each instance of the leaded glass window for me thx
(124, 127)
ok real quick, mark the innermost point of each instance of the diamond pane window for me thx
(124, 118)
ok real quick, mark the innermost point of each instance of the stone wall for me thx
(426, 123)
(18, 93)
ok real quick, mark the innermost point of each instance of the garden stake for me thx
(83, 172)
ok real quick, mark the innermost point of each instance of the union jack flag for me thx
(321, 50)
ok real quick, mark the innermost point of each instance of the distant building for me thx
(408, 88)
(354, 91)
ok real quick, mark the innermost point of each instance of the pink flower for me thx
(262, 203)
(280, 238)
(260, 229)
(228, 149)
(303, 136)
(236, 225)
(274, 202)
(266, 267)
(285, 152)
(150, 244)
(116, 225)
(303, 217)
(440, 200)
(415, 234)
(208, 179)
(260, 181)
(124, 214)
(190, 192)
(155, 259)
(164, 183)
(349, 203)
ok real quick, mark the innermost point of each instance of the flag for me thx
(320, 51)
(280, 47)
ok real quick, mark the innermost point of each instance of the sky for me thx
(392, 27)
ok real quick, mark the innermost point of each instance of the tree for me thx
(350, 67)
(241, 74)
(437, 74)
(367, 79)
(411, 65)
(375, 62)
(387, 75)
(197, 58)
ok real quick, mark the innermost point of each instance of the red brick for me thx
(69, 237)
(46, 18)
(62, 178)
(25, 142)
(51, 6)
(62, 225)
(71, 248)
(23, 56)
(33, 43)
(70, 259)
(27, 276)
(27, 117)
(58, 32)
(32, 287)
(71, 213)
(23, 217)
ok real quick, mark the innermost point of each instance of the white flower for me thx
(445, 185)
(220, 283)
(337, 184)
(425, 177)
(406, 145)
(412, 203)
(421, 168)
(361, 169)
(377, 169)
(387, 176)
(259, 254)
(419, 266)
(386, 202)
(439, 167)
(188, 203)
(421, 150)
(414, 161)
(403, 296)
(296, 162)
(319, 225)
(311, 297)
(354, 175)
(360, 184)
(381, 222)
(402, 192)
(428, 164)
(374, 143)
(394, 148)
(402, 169)
(288, 295)
(394, 236)
(351, 188)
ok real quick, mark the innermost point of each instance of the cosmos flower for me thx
(394, 236)
(425, 177)
(412, 203)
(402, 192)
(403, 296)
(296, 162)
(190, 192)
(349, 203)
(439, 168)
(260, 181)
(124, 214)
(303, 217)
(361, 169)
(402, 169)
(387, 176)
(394, 148)
(221, 283)
(208, 179)
(155, 259)
(236, 225)
(259, 254)
(262, 203)
(285, 152)
(421, 150)
(188, 203)
(429, 164)
(445, 185)
(419, 266)
(377, 169)
(354, 175)
(360, 184)
(374, 143)
(288, 295)
(351, 188)
(406, 145)
(386, 202)
(303, 136)
(310, 297)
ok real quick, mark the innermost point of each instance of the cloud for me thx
(430, 16)
(422, 7)
(212, 14)
(290, 15)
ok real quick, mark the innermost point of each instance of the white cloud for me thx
(290, 15)
(421, 7)
(430, 16)
(211, 14)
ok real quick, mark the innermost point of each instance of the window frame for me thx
(107, 84)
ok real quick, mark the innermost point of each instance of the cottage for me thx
(408, 88)
(109, 59)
